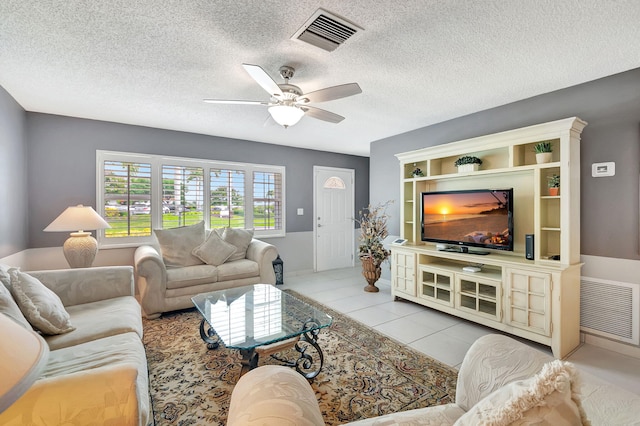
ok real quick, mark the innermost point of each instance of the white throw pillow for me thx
(8, 305)
(40, 306)
(176, 244)
(548, 398)
(214, 251)
(240, 238)
(4, 276)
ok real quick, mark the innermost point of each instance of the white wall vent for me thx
(610, 309)
(326, 30)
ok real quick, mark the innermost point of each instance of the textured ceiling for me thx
(418, 62)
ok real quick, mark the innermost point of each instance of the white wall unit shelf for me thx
(536, 299)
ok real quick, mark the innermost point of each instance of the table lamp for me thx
(24, 355)
(81, 248)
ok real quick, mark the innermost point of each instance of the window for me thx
(267, 204)
(138, 193)
(227, 198)
(182, 196)
(127, 195)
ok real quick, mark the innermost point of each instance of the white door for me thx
(333, 217)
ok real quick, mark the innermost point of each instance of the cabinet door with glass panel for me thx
(479, 296)
(436, 285)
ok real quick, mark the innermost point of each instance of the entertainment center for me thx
(537, 299)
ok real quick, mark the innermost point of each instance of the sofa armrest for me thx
(273, 395)
(264, 254)
(105, 395)
(151, 278)
(84, 285)
(493, 361)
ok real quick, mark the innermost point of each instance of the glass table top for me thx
(255, 315)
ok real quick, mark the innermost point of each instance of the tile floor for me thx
(436, 334)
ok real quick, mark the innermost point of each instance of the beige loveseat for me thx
(191, 260)
(501, 382)
(96, 373)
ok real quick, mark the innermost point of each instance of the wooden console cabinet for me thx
(535, 299)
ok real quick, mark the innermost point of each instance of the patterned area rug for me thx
(365, 374)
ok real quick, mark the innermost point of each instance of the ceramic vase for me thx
(543, 157)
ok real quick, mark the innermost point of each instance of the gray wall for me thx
(609, 205)
(61, 164)
(13, 177)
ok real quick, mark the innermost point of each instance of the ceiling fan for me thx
(288, 103)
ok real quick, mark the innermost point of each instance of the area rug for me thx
(365, 373)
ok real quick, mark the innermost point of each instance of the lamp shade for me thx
(24, 355)
(286, 115)
(81, 248)
(77, 218)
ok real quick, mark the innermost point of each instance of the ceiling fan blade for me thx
(225, 101)
(262, 78)
(322, 114)
(331, 93)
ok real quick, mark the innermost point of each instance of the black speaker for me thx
(528, 246)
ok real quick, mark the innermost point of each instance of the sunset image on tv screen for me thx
(480, 217)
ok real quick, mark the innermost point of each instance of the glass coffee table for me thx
(261, 319)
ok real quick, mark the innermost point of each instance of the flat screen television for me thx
(469, 218)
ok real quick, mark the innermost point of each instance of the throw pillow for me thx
(548, 398)
(4, 276)
(8, 306)
(40, 306)
(214, 251)
(240, 238)
(176, 244)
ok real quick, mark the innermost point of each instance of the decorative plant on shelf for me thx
(416, 172)
(553, 182)
(544, 146)
(468, 159)
(371, 251)
(468, 163)
(543, 151)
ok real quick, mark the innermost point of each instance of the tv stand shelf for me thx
(535, 299)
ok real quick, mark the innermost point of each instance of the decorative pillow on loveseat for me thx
(214, 251)
(40, 306)
(8, 305)
(177, 244)
(240, 238)
(548, 398)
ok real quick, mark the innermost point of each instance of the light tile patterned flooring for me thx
(438, 335)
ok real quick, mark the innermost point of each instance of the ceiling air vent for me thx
(326, 30)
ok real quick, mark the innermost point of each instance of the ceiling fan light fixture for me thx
(286, 115)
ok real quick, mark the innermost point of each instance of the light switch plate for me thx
(603, 169)
(300, 211)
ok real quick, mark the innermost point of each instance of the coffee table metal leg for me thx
(249, 360)
(305, 363)
(209, 335)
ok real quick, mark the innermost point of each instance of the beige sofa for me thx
(97, 373)
(501, 381)
(164, 288)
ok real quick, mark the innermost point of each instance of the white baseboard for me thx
(297, 273)
(619, 347)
